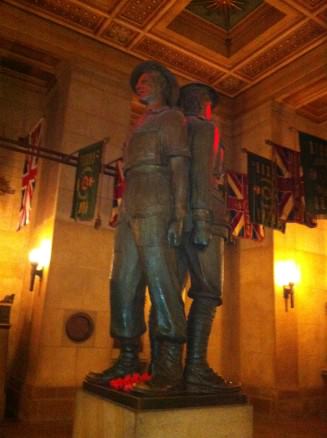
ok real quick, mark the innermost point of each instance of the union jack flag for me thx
(291, 202)
(238, 207)
(35, 139)
(119, 187)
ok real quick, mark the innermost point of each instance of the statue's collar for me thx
(157, 110)
(196, 116)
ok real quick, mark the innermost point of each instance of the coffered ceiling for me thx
(232, 49)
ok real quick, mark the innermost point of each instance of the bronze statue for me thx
(156, 163)
(202, 250)
(205, 232)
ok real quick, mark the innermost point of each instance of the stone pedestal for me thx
(98, 416)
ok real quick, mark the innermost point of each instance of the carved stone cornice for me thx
(279, 52)
(70, 12)
(119, 34)
(230, 85)
(312, 4)
(177, 59)
(316, 110)
(139, 12)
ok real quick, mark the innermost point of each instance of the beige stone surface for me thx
(256, 331)
(56, 366)
(102, 336)
(80, 110)
(52, 330)
(305, 326)
(4, 333)
(20, 109)
(99, 418)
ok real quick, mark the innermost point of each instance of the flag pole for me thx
(23, 147)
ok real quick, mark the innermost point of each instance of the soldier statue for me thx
(150, 225)
(206, 228)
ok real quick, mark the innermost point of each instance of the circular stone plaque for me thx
(79, 327)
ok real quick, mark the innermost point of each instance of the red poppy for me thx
(128, 382)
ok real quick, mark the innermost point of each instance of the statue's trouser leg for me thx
(153, 333)
(206, 270)
(127, 295)
(168, 308)
(127, 287)
(160, 267)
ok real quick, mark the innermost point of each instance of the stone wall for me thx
(85, 107)
(282, 354)
(301, 332)
(21, 106)
(253, 263)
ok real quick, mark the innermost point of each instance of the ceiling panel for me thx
(196, 39)
(220, 15)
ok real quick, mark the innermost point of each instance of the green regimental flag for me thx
(86, 182)
(314, 163)
(263, 193)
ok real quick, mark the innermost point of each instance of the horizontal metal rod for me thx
(22, 147)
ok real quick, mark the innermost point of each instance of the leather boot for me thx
(198, 376)
(127, 363)
(167, 370)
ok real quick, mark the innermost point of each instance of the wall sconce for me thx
(39, 258)
(36, 266)
(287, 275)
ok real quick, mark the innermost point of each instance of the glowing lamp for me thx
(39, 258)
(287, 274)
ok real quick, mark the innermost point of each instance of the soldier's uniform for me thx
(207, 204)
(156, 159)
(202, 250)
(142, 253)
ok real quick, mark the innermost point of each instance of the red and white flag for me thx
(290, 185)
(35, 139)
(238, 207)
(119, 187)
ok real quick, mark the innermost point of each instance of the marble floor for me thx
(263, 428)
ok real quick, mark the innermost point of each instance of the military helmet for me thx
(193, 86)
(171, 90)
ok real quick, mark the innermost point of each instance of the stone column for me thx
(85, 107)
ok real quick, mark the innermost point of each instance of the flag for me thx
(35, 139)
(263, 193)
(86, 181)
(238, 207)
(119, 187)
(314, 162)
(291, 204)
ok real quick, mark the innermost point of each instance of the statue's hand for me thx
(202, 233)
(175, 231)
